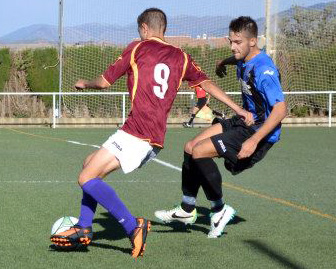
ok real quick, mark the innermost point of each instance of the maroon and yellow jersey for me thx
(200, 93)
(155, 72)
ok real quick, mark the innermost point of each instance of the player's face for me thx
(240, 44)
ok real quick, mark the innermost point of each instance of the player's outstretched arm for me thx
(221, 66)
(97, 83)
(220, 95)
(278, 113)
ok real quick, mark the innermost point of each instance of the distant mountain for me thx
(95, 32)
(215, 26)
(32, 34)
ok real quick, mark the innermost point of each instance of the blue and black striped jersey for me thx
(261, 89)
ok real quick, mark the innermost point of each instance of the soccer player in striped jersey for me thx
(155, 71)
(239, 144)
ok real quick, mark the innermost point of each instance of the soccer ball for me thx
(63, 224)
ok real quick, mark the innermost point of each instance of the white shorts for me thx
(131, 151)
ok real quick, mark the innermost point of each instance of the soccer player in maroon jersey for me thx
(155, 71)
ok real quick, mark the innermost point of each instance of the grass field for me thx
(286, 205)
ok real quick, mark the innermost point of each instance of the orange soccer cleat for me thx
(138, 237)
(75, 236)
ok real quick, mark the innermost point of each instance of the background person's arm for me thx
(97, 83)
(221, 66)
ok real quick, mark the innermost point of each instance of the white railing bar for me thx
(126, 93)
(330, 93)
(311, 92)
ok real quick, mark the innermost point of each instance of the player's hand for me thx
(81, 84)
(248, 147)
(221, 69)
(248, 117)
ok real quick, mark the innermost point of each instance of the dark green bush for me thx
(5, 65)
(42, 68)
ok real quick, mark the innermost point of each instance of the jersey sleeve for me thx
(121, 65)
(270, 86)
(194, 75)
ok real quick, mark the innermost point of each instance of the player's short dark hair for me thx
(155, 19)
(244, 23)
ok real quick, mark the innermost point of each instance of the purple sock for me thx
(108, 198)
(88, 210)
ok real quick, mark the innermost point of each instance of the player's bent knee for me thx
(203, 150)
(188, 147)
(83, 178)
(197, 152)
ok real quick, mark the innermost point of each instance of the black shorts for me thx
(229, 143)
(201, 102)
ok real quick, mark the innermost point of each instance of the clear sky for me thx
(15, 14)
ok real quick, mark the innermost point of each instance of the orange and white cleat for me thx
(138, 237)
(73, 237)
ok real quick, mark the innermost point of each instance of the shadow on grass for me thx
(112, 228)
(73, 249)
(113, 231)
(273, 254)
(202, 219)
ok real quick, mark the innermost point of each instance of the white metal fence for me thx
(56, 96)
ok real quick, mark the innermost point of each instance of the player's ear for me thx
(145, 27)
(253, 42)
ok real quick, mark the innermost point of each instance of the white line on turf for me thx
(155, 160)
(82, 144)
(114, 181)
(168, 165)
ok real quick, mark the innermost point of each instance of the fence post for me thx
(60, 56)
(124, 109)
(330, 107)
(268, 4)
(54, 111)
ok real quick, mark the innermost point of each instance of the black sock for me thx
(190, 181)
(217, 208)
(192, 118)
(187, 208)
(217, 205)
(211, 178)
